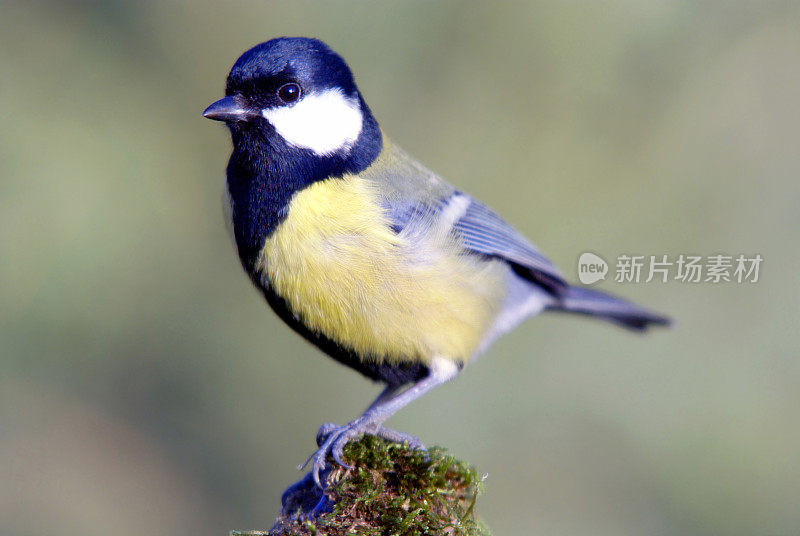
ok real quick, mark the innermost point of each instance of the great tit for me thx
(362, 250)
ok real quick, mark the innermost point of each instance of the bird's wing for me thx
(412, 193)
(482, 231)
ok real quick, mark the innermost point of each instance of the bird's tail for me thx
(594, 303)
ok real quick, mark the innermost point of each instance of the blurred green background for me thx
(147, 389)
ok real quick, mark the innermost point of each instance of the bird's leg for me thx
(441, 370)
(381, 431)
(387, 433)
(390, 435)
(388, 392)
(328, 428)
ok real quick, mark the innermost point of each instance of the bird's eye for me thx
(289, 92)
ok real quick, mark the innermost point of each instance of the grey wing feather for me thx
(412, 193)
(482, 231)
(414, 197)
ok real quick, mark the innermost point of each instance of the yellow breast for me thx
(388, 296)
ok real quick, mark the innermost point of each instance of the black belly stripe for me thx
(392, 374)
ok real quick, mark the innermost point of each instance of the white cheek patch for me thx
(326, 123)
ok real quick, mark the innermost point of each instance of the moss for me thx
(391, 490)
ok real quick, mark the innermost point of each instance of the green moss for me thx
(391, 490)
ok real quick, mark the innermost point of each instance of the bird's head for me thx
(296, 95)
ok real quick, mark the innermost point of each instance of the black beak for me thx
(230, 109)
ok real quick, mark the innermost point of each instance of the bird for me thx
(365, 252)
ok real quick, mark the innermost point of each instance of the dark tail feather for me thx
(594, 303)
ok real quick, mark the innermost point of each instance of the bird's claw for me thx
(331, 439)
(324, 431)
(400, 437)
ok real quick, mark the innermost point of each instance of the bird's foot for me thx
(331, 439)
(400, 437)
